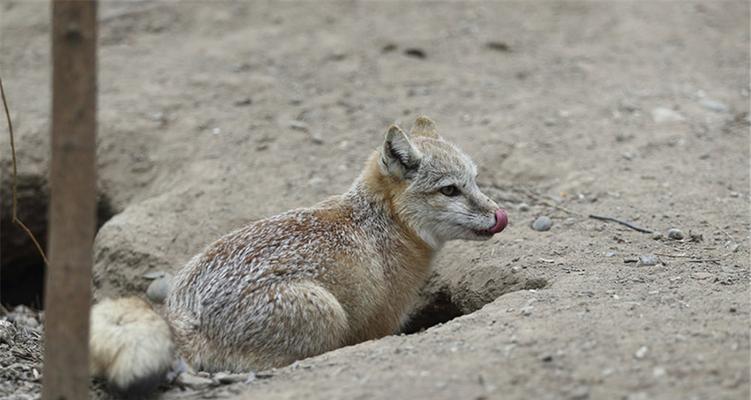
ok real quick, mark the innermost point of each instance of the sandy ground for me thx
(215, 114)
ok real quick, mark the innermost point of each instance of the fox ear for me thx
(398, 157)
(424, 126)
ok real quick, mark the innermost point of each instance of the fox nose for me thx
(501, 220)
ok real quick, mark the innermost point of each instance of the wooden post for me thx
(72, 214)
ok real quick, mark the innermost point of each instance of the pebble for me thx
(662, 114)
(675, 234)
(641, 352)
(656, 235)
(523, 207)
(416, 53)
(159, 289)
(153, 274)
(542, 223)
(498, 46)
(580, 393)
(245, 101)
(713, 105)
(701, 275)
(298, 125)
(388, 48)
(527, 310)
(193, 381)
(648, 260)
(610, 254)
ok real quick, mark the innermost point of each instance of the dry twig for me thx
(624, 223)
(15, 218)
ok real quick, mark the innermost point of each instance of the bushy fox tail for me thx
(130, 346)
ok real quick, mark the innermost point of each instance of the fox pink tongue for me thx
(501, 220)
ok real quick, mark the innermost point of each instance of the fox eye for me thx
(450, 191)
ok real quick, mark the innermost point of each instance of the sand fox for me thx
(309, 280)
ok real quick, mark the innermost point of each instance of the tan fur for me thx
(129, 342)
(342, 272)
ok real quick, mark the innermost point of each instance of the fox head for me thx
(436, 190)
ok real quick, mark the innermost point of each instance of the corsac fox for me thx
(309, 280)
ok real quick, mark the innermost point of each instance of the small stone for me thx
(656, 235)
(713, 105)
(389, 47)
(628, 105)
(154, 274)
(580, 393)
(416, 53)
(675, 234)
(498, 46)
(648, 260)
(526, 311)
(658, 372)
(193, 381)
(637, 396)
(701, 275)
(298, 125)
(523, 207)
(159, 289)
(662, 114)
(157, 116)
(542, 224)
(547, 358)
(316, 138)
(641, 352)
(178, 367)
(246, 101)
(610, 254)
(630, 260)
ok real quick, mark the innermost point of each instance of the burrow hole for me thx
(22, 269)
(440, 306)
